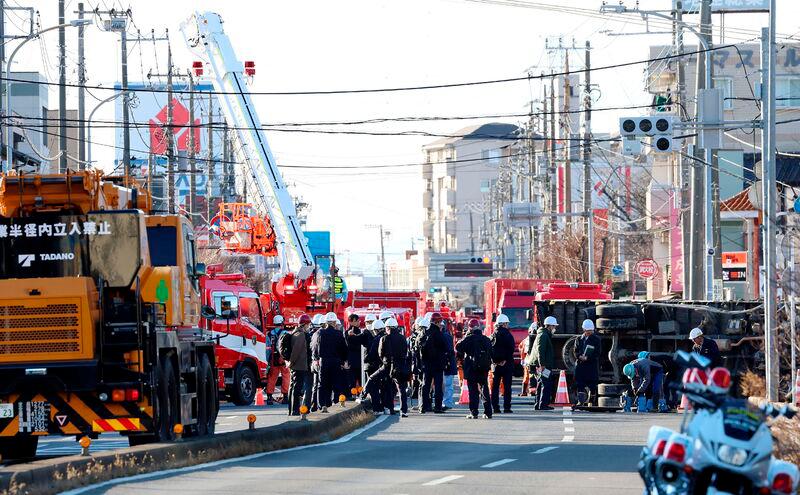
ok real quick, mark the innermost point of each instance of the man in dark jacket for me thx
(450, 369)
(353, 337)
(375, 386)
(503, 358)
(587, 369)
(432, 349)
(329, 352)
(298, 366)
(475, 353)
(544, 361)
(705, 347)
(393, 351)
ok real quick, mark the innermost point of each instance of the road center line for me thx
(441, 481)
(498, 463)
(568, 438)
(544, 450)
(568, 421)
(569, 429)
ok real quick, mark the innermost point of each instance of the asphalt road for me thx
(550, 452)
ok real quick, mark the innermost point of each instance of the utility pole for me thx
(587, 163)
(192, 154)
(683, 163)
(81, 94)
(210, 160)
(3, 69)
(553, 167)
(62, 90)
(769, 190)
(170, 137)
(383, 259)
(565, 129)
(126, 129)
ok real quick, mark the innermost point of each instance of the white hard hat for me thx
(317, 319)
(587, 325)
(426, 322)
(378, 325)
(418, 321)
(551, 320)
(385, 315)
(696, 332)
(501, 318)
(331, 317)
(391, 323)
(277, 320)
(369, 318)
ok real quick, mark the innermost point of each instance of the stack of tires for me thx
(618, 317)
(610, 394)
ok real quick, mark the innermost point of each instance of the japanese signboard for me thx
(724, 6)
(734, 266)
(647, 269)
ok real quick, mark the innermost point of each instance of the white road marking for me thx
(567, 409)
(569, 429)
(498, 463)
(567, 421)
(544, 450)
(568, 438)
(446, 479)
(567, 412)
(189, 469)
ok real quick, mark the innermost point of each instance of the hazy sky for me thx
(323, 45)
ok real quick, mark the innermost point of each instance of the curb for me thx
(50, 476)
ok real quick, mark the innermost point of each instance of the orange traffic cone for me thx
(464, 399)
(562, 394)
(259, 397)
(797, 390)
(684, 405)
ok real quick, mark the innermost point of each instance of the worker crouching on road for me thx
(396, 368)
(277, 364)
(647, 380)
(544, 361)
(587, 369)
(329, 352)
(503, 363)
(705, 347)
(475, 353)
(298, 355)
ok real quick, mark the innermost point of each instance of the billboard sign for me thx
(723, 6)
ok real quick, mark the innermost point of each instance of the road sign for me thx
(647, 269)
(797, 205)
(617, 270)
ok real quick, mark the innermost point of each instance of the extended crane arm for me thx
(205, 36)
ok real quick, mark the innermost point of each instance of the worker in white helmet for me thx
(544, 361)
(503, 346)
(329, 354)
(369, 320)
(373, 365)
(707, 348)
(393, 351)
(385, 315)
(587, 368)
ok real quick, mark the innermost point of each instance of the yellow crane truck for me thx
(99, 313)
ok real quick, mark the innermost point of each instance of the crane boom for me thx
(206, 38)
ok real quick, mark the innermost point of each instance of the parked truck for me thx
(99, 315)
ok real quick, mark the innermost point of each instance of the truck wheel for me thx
(617, 311)
(244, 386)
(18, 447)
(206, 398)
(167, 410)
(611, 389)
(617, 323)
(609, 402)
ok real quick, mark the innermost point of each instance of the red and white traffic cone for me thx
(259, 397)
(464, 398)
(685, 405)
(562, 393)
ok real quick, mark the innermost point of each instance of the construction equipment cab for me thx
(99, 312)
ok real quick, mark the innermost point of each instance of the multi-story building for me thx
(29, 104)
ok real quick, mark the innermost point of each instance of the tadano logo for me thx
(25, 260)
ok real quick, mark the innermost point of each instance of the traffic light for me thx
(477, 267)
(659, 128)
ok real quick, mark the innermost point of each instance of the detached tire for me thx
(618, 311)
(617, 323)
(611, 389)
(244, 386)
(609, 402)
(23, 447)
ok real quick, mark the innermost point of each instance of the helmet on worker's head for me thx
(696, 332)
(391, 323)
(277, 320)
(317, 320)
(331, 318)
(629, 370)
(501, 319)
(418, 321)
(474, 323)
(587, 325)
(532, 328)
(425, 323)
(643, 355)
(378, 325)
(304, 319)
(550, 321)
(369, 318)
(385, 315)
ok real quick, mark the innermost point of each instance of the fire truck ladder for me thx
(206, 38)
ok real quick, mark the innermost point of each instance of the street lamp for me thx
(9, 144)
(89, 123)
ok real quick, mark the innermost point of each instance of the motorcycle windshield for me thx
(740, 421)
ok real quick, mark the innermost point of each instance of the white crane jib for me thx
(206, 38)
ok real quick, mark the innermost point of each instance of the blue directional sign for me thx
(797, 205)
(617, 270)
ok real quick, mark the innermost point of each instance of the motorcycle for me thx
(724, 446)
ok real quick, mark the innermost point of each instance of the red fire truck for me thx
(241, 346)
